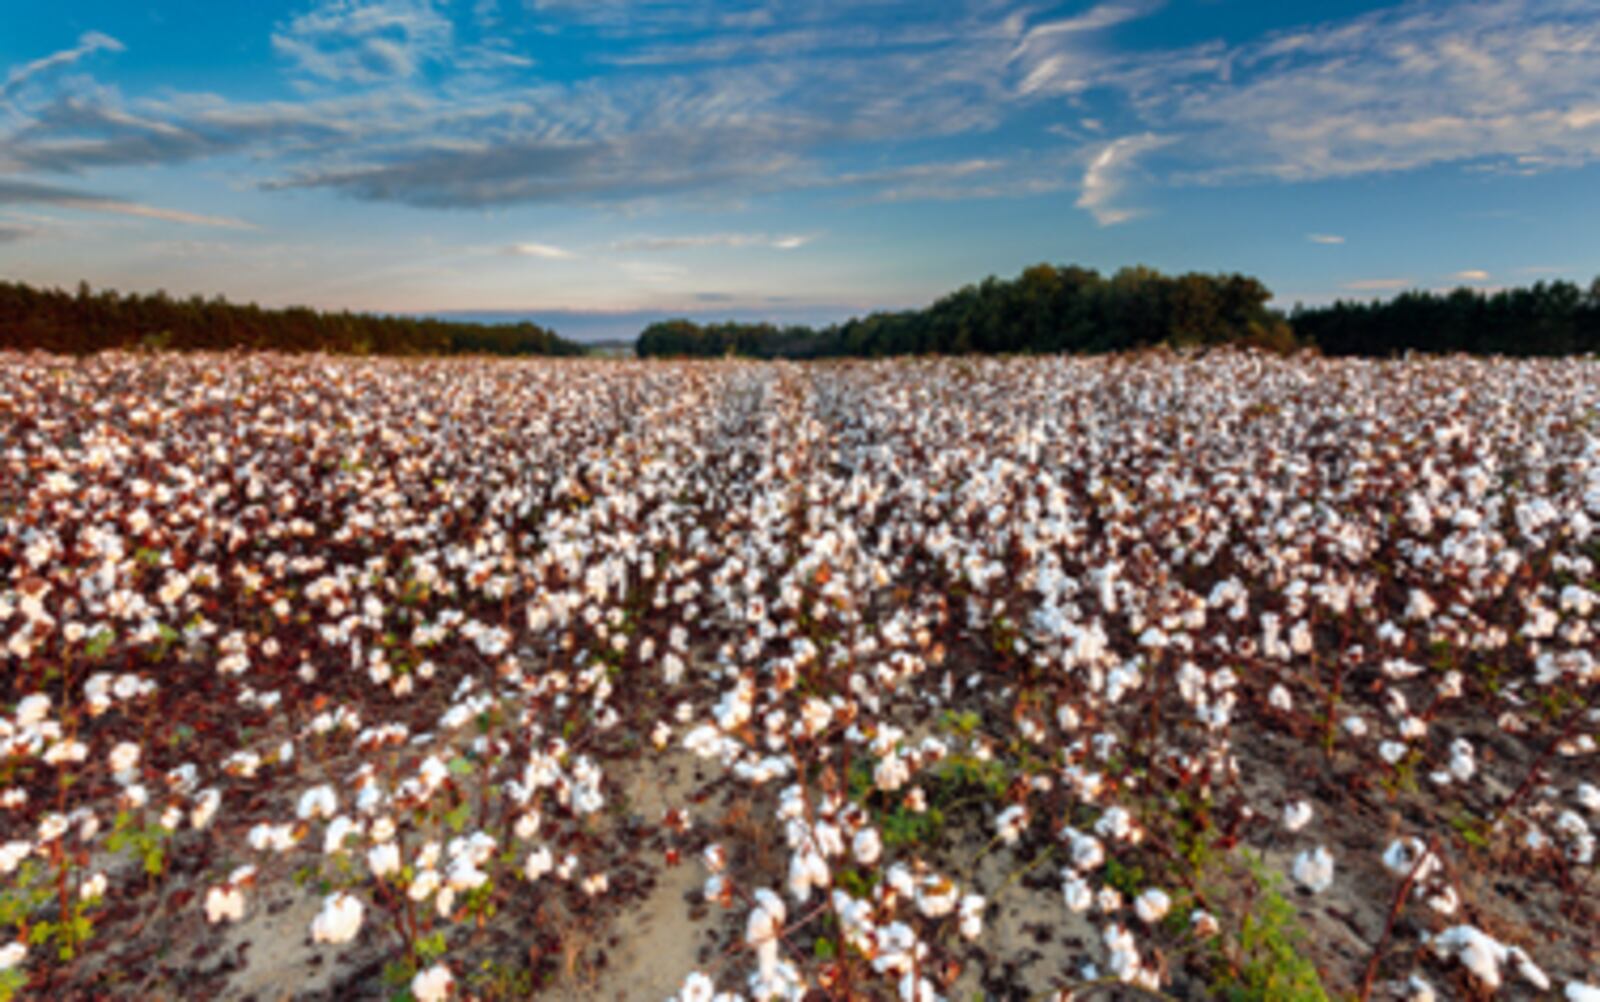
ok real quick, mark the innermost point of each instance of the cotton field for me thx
(1123, 677)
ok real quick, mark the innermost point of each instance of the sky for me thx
(598, 163)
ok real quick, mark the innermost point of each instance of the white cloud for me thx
(1502, 83)
(1104, 179)
(19, 192)
(688, 242)
(156, 212)
(1471, 275)
(547, 252)
(365, 41)
(89, 43)
(1379, 284)
(1324, 238)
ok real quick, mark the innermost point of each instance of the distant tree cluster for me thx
(1554, 318)
(88, 321)
(1045, 309)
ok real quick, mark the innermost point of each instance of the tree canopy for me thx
(1549, 318)
(1048, 308)
(89, 321)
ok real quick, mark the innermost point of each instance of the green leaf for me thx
(99, 643)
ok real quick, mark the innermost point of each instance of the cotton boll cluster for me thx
(420, 625)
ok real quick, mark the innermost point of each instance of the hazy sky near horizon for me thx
(803, 158)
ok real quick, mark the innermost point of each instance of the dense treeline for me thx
(1052, 309)
(1045, 309)
(88, 321)
(1554, 318)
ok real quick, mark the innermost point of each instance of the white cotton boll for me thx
(205, 807)
(1530, 972)
(1279, 699)
(1077, 893)
(971, 912)
(1010, 823)
(1313, 869)
(1576, 991)
(1296, 815)
(1418, 990)
(891, 773)
(340, 829)
(1115, 823)
(696, 988)
(1445, 901)
(1588, 796)
(383, 859)
(937, 896)
(32, 709)
(1108, 900)
(1406, 854)
(224, 904)
(807, 870)
(766, 919)
(122, 760)
(424, 884)
(1087, 852)
(433, 984)
(317, 802)
(1152, 905)
(94, 887)
(339, 920)
(867, 846)
(1478, 952)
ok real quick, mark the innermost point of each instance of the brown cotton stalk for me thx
(1395, 908)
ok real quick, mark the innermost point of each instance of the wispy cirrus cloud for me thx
(547, 252)
(441, 106)
(14, 192)
(1106, 176)
(1379, 284)
(1471, 275)
(364, 41)
(700, 240)
(1507, 82)
(1325, 238)
(89, 43)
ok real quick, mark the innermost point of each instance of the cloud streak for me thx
(89, 43)
(696, 241)
(546, 252)
(1325, 238)
(364, 41)
(14, 192)
(1106, 176)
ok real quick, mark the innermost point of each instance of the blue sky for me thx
(598, 162)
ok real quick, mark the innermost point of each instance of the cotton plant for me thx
(434, 607)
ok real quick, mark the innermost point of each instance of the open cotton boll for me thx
(433, 984)
(338, 921)
(1313, 869)
(1296, 815)
(224, 904)
(1152, 905)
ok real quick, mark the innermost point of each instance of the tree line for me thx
(1052, 308)
(1549, 318)
(1047, 308)
(88, 321)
